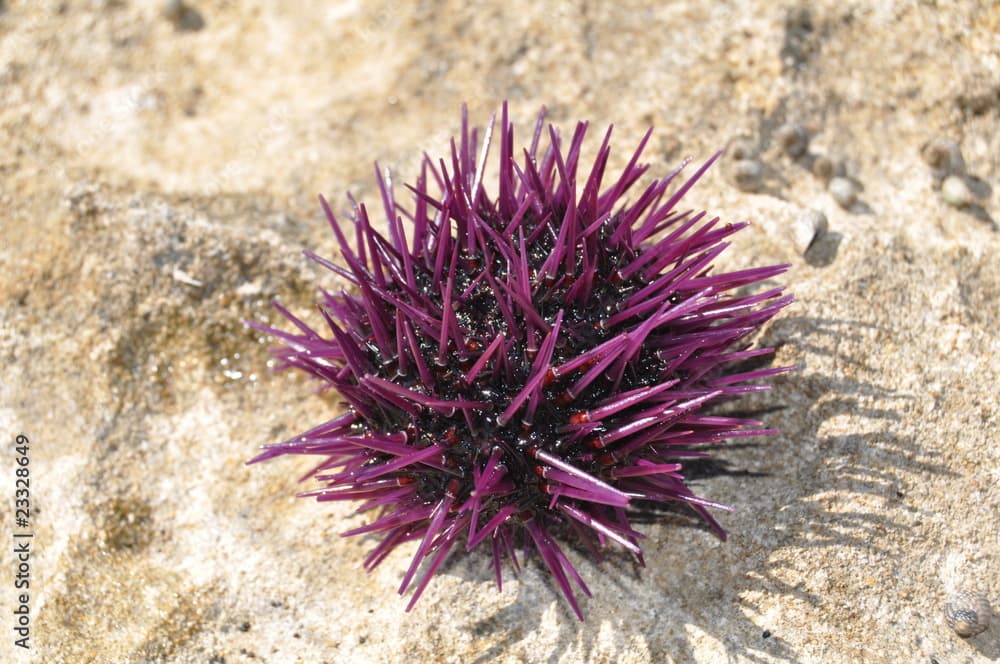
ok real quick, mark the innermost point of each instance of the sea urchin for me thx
(523, 368)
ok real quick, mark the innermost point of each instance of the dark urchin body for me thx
(525, 366)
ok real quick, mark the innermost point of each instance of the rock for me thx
(741, 148)
(793, 139)
(823, 168)
(153, 542)
(843, 191)
(806, 228)
(956, 192)
(173, 10)
(747, 174)
(944, 156)
(183, 16)
(968, 613)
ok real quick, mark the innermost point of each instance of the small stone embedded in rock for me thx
(793, 139)
(182, 16)
(747, 174)
(806, 228)
(955, 192)
(741, 148)
(944, 156)
(173, 10)
(843, 191)
(968, 613)
(823, 167)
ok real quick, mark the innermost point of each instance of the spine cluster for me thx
(521, 368)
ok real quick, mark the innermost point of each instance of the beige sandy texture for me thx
(157, 185)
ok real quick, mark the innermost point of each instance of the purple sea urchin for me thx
(522, 369)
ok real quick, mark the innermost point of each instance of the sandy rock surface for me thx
(158, 174)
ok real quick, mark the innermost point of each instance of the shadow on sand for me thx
(788, 479)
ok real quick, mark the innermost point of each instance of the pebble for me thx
(806, 228)
(823, 167)
(747, 174)
(741, 148)
(183, 277)
(843, 191)
(182, 16)
(944, 156)
(955, 192)
(173, 10)
(968, 613)
(793, 139)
